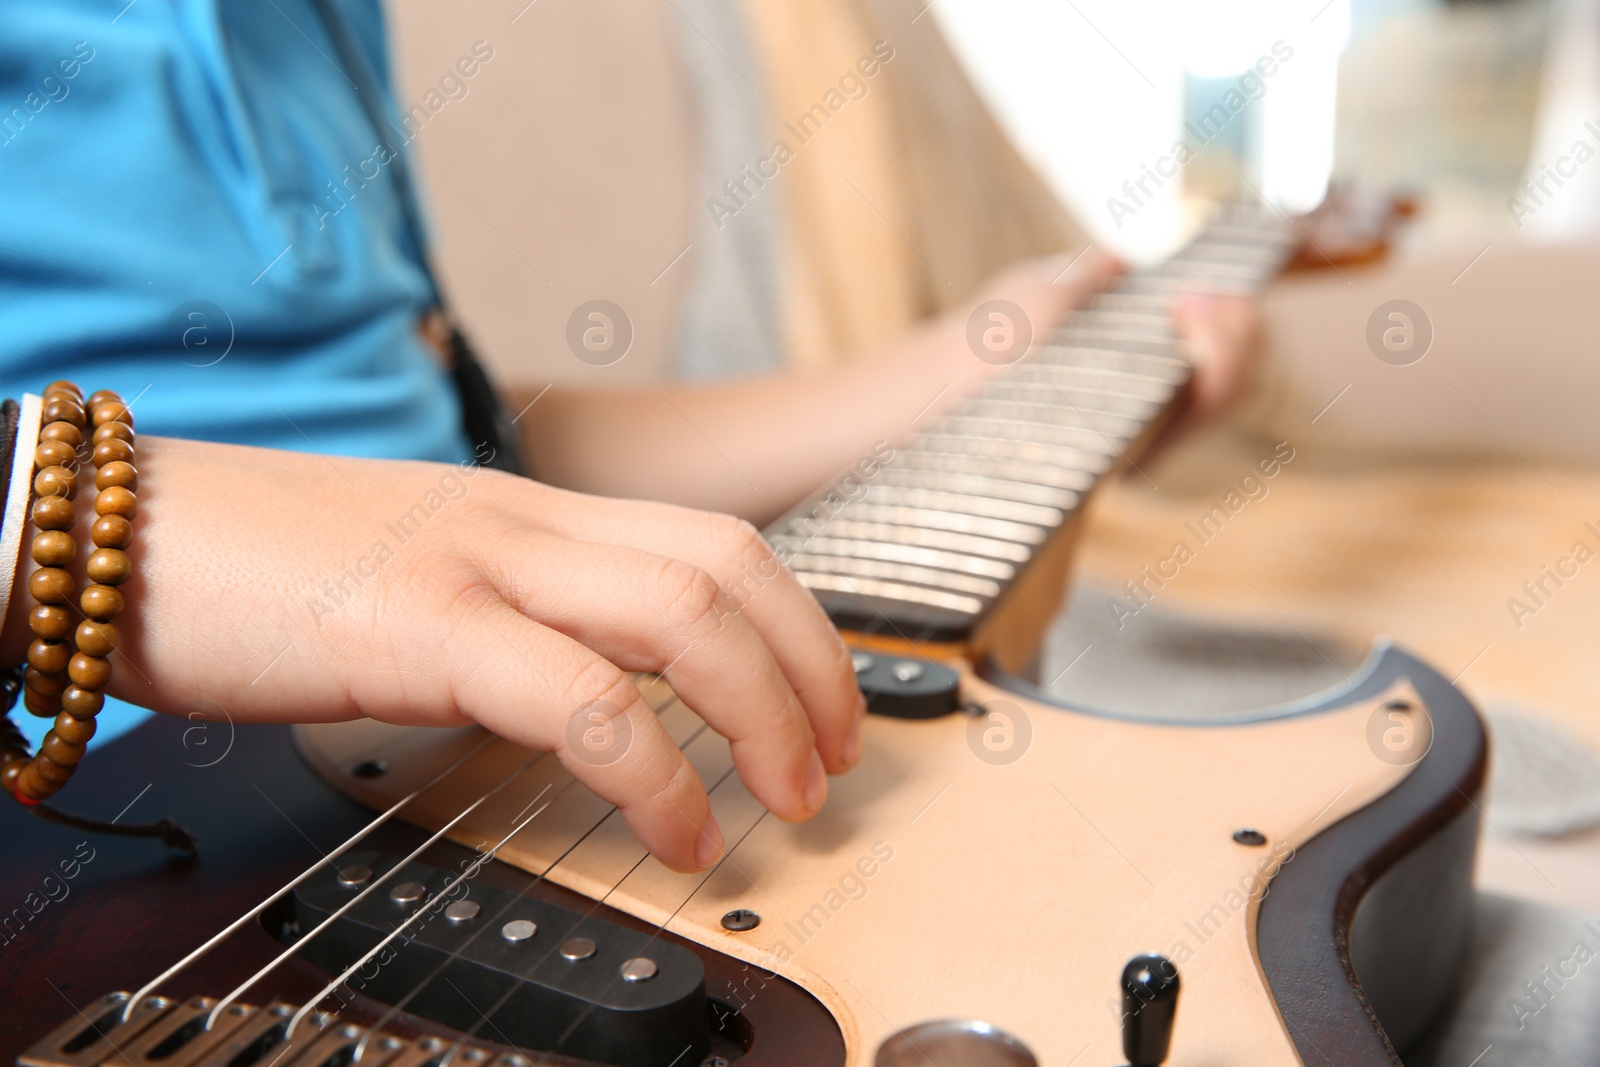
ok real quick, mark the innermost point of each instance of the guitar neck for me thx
(961, 537)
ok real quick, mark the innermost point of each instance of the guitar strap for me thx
(483, 417)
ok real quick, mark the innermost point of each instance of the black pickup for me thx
(504, 967)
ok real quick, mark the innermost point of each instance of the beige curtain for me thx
(906, 198)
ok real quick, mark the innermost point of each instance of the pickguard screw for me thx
(1250, 837)
(740, 920)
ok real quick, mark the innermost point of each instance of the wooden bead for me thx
(119, 430)
(54, 513)
(61, 385)
(74, 730)
(58, 749)
(46, 685)
(112, 450)
(116, 501)
(101, 602)
(111, 531)
(96, 638)
(53, 773)
(54, 454)
(116, 473)
(54, 548)
(51, 585)
(111, 411)
(49, 622)
(63, 409)
(82, 703)
(64, 432)
(56, 481)
(109, 566)
(39, 704)
(104, 396)
(10, 773)
(49, 656)
(89, 672)
(31, 786)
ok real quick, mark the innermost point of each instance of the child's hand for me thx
(278, 586)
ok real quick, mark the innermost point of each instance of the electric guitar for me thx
(1002, 880)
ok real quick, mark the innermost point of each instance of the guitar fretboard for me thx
(926, 547)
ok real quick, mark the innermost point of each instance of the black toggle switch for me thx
(1149, 1003)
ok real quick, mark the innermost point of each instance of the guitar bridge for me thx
(160, 1032)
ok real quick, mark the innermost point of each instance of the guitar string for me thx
(476, 866)
(374, 884)
(485, 1017)
(492, 922)
(375, 1028)
(330, 857)
(472, 870)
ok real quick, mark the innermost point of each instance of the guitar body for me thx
(998, 867)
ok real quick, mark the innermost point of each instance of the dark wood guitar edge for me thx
(1361, 935)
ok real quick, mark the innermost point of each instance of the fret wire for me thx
(922, 536)
(1074, 479)
(984, 506)
(1265, 258)
(953, 521)
(980, 486)
(1045, 415)
(910, 594)
(889, 570)
(1115, 299)
(1059, 352)
(1146, 317)
(1122, 341)
(1087, 402)
(834, 545)
(1119, 385)
(1154, 323)
(1052, 434)
(1011, 448)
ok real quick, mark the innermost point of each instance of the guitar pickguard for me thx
(1004, 866)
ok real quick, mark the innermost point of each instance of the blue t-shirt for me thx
(201, 214)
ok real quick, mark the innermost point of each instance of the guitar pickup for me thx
(500, 966)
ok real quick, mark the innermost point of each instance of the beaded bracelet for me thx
(68, 668)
